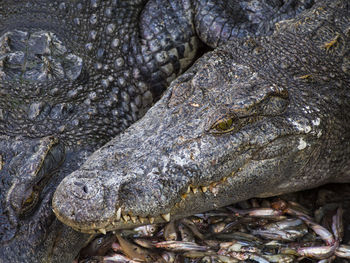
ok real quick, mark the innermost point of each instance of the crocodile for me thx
(256, 117)
(74, 74)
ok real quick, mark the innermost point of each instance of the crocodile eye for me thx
(30, 202)
(223, 125)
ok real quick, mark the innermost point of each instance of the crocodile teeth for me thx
(151, 220)
(214, 190)
(125, 218)
(204, 189)
(102, 230)
(188, 190)
(166, 217)
(194, 190)
(119, 213)
(142, 219)
(133, 219)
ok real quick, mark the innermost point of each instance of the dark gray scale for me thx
(92, 68)
(169, 44)
(217, 22)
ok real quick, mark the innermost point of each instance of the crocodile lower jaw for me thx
(123, 220)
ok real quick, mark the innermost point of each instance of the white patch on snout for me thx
(316, 122)
(306, 109)
(302, 144)
(302, 127)
(179, 161)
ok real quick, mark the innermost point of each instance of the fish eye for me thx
(152, 228)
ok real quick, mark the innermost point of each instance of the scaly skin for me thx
(257, 117)
(30, 172)
(73, 74)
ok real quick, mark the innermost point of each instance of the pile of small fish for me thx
(257, 230)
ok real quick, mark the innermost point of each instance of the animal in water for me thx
(256, 117)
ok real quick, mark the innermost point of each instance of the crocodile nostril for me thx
(85, 188)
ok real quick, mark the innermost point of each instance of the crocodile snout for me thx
(97, 204)
(85, 189)
(86, 194)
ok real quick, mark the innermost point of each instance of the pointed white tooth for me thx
(188, 190)
(142, 219)
(133, 219)
(125, 218)
(151, 219)
(204, 189)
(166, 217)
(102, 230)
(194, 190)
(119, 213)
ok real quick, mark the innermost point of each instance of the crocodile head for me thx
(255, 118)
(30, 169)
